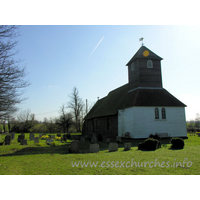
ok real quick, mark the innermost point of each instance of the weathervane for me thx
(141, 39)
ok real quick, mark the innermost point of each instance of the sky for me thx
(93, 58)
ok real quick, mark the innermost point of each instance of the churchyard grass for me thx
(44, 159)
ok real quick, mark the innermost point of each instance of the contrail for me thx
(96, 46)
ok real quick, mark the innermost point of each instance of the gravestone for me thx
(94, 139)
(74, 147)
(31, 137)
(82, 139)
(20, 137)
(127, 135)
(12, 134)
(118, 139)
(127, 146)
(65, 137)
(36, 140)
(40, 135)
(23, 142)
(113, 147)
(107, 140)
(48, 141)
(53, 136)
(94, 148)
(7, 140)
(68, 136)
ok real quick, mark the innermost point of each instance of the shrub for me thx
(149, 144)
(154, 136)
(177, 143)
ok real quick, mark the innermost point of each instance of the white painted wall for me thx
(141, 122)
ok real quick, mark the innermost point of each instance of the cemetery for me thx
(34, 153)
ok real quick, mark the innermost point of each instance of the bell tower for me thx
(144, 70)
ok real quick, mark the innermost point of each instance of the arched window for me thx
(149, 64)
(163, 113)
(156, 113)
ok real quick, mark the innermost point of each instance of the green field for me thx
(16, 159)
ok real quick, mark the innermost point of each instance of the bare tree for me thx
(65, 120)
(76, 104)
(26, 120)
(12, 75)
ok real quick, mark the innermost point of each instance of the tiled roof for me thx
(122, 98)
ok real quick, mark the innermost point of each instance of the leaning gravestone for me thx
(31, 136)
(36, 140)
(127, 146)
(94, 139)
(113, 147)
(23, 142)
(7, 140)
(94, 148)
(74, 147)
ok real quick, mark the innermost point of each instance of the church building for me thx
(139, 108)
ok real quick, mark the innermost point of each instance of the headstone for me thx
(68, 136)
(94, 148)
(36, 140)
(94, 139)
(49, 140)
(65, 137)
(107, 140)
(20, 137)
(127, 135)
(40, 135)
(113, 147)
(74, 147)
(31, 136)
(127, 146)
(118, 139)
(12, 134)
(23, 142)
(53, 136)
(82, 139)
(7, 140)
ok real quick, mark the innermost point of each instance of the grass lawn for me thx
(41, 160)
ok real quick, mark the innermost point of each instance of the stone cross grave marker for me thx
(113, 147)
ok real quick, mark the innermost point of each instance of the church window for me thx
(132, 66)
(156, 113)
(149, 64)
(163, 113)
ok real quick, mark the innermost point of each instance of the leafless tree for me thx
(76, 104)
(12, 83)
(65, 121)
